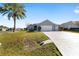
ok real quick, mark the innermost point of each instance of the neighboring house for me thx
(44, 26)
(17, 29)
(3, 28)
(71, 24)
(10, 29)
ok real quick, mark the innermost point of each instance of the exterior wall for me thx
(56, 27)
(4, 29)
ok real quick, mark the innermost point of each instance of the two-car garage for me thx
(46, 28)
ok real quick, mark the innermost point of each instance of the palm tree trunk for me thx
(14, 18)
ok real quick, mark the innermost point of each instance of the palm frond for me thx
(9, 15)
(6, 12)
(13, 9)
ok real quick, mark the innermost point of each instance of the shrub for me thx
(39, 28)
(31, 30)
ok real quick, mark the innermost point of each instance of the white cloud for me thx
(76, 10)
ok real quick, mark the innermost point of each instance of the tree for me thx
(14, 11)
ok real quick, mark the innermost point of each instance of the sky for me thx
(37, 12)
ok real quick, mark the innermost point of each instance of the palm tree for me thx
(14, 11)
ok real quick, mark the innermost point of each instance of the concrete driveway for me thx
(66, 42)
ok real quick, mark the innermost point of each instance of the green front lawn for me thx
(46, 50)
(26, 44)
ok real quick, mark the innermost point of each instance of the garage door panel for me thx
(46, 28)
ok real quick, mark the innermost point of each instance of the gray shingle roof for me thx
(46, 22)
(73, 22)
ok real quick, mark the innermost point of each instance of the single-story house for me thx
(50, 26)
(44, 26)
(71, 25)
(3, 28)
